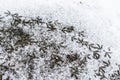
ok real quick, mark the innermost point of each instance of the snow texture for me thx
(98, 18)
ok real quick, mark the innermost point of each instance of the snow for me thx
(99, 18)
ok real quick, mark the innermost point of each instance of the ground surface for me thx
(97, 20)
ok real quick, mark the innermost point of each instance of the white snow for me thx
(100, 18)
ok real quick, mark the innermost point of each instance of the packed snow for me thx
(98, 18)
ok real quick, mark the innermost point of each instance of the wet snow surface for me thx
(59, 40)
